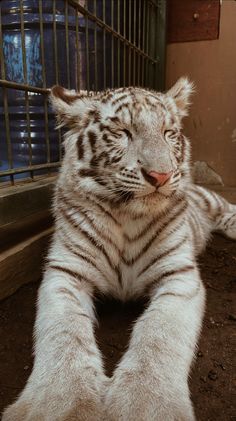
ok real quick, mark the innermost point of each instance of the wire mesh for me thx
(83, 44)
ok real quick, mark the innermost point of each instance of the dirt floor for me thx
(212, 384)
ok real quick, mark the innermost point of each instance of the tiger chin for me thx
(129, 223)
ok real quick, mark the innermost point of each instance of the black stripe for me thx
(115, 159)
(72, 274)
(119, 99)
(152, 223)
(125, 105)
(205, 200)
(92, 137)
(89, 237)
(68, 293)
(107, 213)
(70, 247)
(156, 283)
(87, 172)
(162, 255)
(80, 146)
(155, 235)
(64, 270)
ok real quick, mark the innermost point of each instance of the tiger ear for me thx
(181, 93)
(68, 105)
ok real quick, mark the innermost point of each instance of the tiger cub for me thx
(129, 222)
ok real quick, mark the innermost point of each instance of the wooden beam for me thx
(23, 263)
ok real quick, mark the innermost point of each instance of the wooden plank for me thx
(23, 228)
(23, 263)
(193, 20)
(23, 200)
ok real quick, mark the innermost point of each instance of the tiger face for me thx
(125, 144)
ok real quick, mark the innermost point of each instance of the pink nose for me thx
(160, 178)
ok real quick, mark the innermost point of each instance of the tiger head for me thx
(125, 144)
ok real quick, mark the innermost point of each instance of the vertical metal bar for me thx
(77, 48)
(129, 49)
(139, 24)
(87, 54)
(161, 45)
(143, 40)
(67, 45)
(118, 43)
(151, 44)
(139, 43)
(104, 43)
(56, 67)
(55, 41)
(124, 46)
(95, 48)
(5, 103)
(26, 82)
(134, 41)
(44, 79)
(147, 76)
(138, 69)
(112, 44)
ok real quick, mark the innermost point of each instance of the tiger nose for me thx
(160, 177)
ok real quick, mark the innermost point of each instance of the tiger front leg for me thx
(67, 382)
(151, 381)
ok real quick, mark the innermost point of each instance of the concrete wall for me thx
(212, 66)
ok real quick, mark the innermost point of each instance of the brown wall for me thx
(212, 66)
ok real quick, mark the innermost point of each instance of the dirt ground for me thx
(212, 384)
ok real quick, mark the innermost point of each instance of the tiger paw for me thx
(134, 397)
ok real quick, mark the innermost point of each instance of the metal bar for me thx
(8, 133)
(124, 45)
(5, 104)
(42, 43)
(106, 27)
(77, 49)
(31, 168)
(129, 50)
(44, 80)
(104, 44)
(151, 44)
(87, 54)
(95, 48)
(139, 25)
(67, 45)
(147, 46)
(143, 40)
(161, 45)
(55, 41)
(118, 43)
(23, 87)
(112, 44)
(138, 70)
(134, 40)
(56, 66)
(25, 80)
(139, 44)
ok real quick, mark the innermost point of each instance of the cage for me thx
(91, 45)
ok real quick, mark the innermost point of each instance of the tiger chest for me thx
(140, 246)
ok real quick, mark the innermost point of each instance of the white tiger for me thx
(129, 223)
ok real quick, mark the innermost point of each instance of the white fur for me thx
(169, 230)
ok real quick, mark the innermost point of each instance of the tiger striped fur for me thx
(122, 232)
